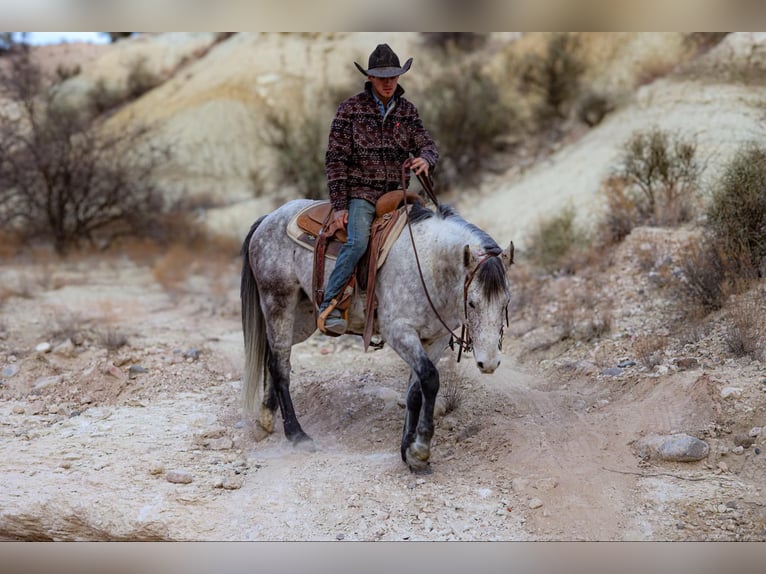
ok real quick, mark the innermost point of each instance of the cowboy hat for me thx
(384, 63)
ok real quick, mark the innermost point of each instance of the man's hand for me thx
(340, 219)
(419, 165)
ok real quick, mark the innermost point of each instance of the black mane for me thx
(491, 274)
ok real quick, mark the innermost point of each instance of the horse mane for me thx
(491, 274)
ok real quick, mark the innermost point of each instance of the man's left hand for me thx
(419, 165)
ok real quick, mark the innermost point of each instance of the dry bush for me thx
(63, 177)
(591, 108)
(745, 330)
(622, 213)
(452, 387)
(737, 211)
(553, 77)
(469, 121)
(553, 245)
(111, 338)
(701, 42)
(454, 41)
(140, 78)
(709, 276)
(174, 267)
(298, 139)
(648, 349)
(662, 173)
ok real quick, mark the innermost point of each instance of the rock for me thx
(232, 482)
(687, 363)
(156, 469)
(723, 467)
(18, 410)
(738, 449)
(223, 443)
(135, 370)
(192, 354)
(535, 503)
(43, 348)
(626, 363)
(65, 349)
(546, 484)
(178, 477)
(612, 372)
(10, 370)
(755, 432)
(731, 392)
(743, 440)
(110, 369)
(340, 536)
(673, 448)
(44, 382)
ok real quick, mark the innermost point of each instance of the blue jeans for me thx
(360, 215)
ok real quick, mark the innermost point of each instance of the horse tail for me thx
(253, 330)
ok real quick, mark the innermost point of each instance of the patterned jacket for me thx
(366, 151)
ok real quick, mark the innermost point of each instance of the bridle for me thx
(464, 341)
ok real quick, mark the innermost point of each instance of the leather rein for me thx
(464, 341)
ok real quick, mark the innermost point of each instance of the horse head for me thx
(485, 297)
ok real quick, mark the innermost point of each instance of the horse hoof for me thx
(305, 443)
(417, 460)
(266, 420)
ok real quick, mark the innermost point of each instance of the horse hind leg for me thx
(279, 369)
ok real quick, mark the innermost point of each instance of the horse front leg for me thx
(419, 450)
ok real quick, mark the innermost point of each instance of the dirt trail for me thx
(88, 445)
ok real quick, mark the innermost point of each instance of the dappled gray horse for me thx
(465, 275)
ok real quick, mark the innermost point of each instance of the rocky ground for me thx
(145, 440)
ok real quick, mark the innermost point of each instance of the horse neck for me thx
(448, 241)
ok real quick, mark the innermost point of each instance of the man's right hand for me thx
(340, 219)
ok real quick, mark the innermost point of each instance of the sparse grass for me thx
(745, 326)
(648, 349)
(111, 338)
(452, 389)
(172, 269)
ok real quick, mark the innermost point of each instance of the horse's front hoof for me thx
(417, 457)
(304, 442)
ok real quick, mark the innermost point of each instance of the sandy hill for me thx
(216, 88)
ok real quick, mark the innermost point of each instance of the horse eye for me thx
(471, 305)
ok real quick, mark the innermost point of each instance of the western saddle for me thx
(313, 228)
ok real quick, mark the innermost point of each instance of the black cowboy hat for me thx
(384, 63)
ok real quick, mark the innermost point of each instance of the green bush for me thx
(737, 211)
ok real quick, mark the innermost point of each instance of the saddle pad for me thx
(308, 240)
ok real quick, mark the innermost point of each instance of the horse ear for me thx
(508, 255)
(467, 255)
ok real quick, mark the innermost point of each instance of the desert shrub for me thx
(648, 349)
(102, 97)
(469, 122)
(708, 275)
(299, 142)
(553, 77)
(737, 210)
(703, 41)
(654, 183)
(448, 41)
(555, 240)
(64, 177)
(592, 107)
(745, 326)
(64, 72)
(111, 338)
(140, 79)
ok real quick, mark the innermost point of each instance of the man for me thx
(371, 136)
